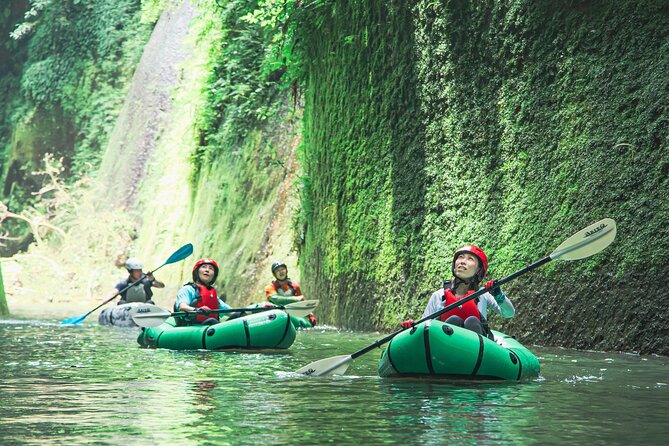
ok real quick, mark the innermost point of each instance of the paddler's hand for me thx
(492, 287)
(407, 324)
(268, 305)
(204, 309)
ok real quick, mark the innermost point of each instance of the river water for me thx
(91, 384)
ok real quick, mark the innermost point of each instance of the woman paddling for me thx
(469, 266)
(200, 295)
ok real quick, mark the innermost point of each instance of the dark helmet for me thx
(476, 252)
(201, 262)
(277, 265)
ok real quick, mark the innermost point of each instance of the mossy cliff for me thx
(64, 69)
(511, 125)
(426, 125)
(199, 152)
(243, 138)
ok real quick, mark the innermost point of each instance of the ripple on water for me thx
(94, 384)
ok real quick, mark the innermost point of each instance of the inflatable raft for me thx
(435, 348)
(266, 330)
(298, 322)
(118, 315)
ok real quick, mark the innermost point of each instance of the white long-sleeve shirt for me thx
(506, 309)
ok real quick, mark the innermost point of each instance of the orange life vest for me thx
(465, 310)
(291, 287)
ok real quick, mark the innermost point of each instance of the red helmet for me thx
(201, 262)
(476, 252)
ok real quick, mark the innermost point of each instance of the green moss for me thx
(512, 126)
(4, 309)
(68, 66)
(427, 125)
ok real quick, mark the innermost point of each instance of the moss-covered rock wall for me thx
(427, 125)
(65, 68)
(201, 152)
(364, 159)
(511, 125)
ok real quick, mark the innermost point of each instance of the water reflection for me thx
(431, 410)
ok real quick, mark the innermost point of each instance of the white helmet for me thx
(133, 263)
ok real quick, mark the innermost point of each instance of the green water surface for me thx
(91, 384)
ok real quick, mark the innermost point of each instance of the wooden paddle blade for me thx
(149, 315)
(335, 365)
(302, 308)
(587, 241)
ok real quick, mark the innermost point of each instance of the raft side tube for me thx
(437, 349)
(266, 330)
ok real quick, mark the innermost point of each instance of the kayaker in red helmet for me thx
(469, 267)
(200, 295)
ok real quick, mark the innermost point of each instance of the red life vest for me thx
(207, 297)
(465, 310)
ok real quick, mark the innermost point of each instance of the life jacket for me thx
(465, 310)
(137, 293)
(291, 291)
(206, 297)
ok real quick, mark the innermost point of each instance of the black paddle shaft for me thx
(447, 308)
(229, 310)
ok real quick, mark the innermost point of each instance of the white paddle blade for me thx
(335, 365)
(149, 315)
(302, 308)
(587, 241)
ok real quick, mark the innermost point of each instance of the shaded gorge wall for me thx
(429, 125)
(426, 125)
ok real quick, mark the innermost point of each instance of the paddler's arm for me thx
(298, 290)
(434, 304)
(270, 292)
(271, 297)
(118, 287)
(185, 298)
(500, 304)
(155, 283)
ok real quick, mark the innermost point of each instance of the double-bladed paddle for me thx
(152, 316)
(585, 243)
(177, 256)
